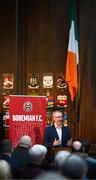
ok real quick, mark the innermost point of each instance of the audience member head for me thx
(25, 141)
(60, 158)
(86, 144)
(38, 153)
(6, 146)
(51, 175)
(5, 170)
(76, 147)
(74, 167)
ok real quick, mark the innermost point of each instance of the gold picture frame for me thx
(8, 81)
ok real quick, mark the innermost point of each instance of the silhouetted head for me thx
(76, 147)
(51, 175)
(74, 167)
(38, 153)
(5, 170)
(6, 146)
(60, 158)
(86, 144)
(25, 141)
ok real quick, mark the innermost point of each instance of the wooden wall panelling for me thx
(47, 39)
(21, 45)
(87, 125)
(7, 41)
(7, 46)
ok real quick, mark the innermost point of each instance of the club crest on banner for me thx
(27, 106)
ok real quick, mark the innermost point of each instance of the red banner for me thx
(27, 117)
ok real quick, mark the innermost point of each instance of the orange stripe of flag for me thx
(71, 74)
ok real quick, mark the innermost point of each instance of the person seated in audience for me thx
(76, 147)
(74, 167)
(86, 145)
(21, 152)
(90, 161)
(51, 175)
(6, 151)
(5, 170)
(37, 155)
(57, 135)
(59, 159)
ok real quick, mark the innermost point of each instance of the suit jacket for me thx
(51, 134)
(91, 164)
(21, 154)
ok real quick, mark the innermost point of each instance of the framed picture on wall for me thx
(60, 81)
(6, 101)
(8, 81)
(49, 97)
(62, 100)
(6, 118)
(33, 81)
(47, 81)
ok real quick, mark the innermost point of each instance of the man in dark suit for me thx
(57, 135)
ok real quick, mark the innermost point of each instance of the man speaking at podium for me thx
(57, 135)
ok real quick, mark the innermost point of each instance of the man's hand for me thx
(56, 142)
(69, 142)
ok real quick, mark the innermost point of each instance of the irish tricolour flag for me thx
(72, 56)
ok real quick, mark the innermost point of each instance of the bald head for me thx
(25, 141)
(76, 146)
(5, 170)
(38, 153)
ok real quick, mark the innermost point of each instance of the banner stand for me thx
(27, 117)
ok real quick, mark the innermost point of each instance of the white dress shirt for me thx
(59, 132)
